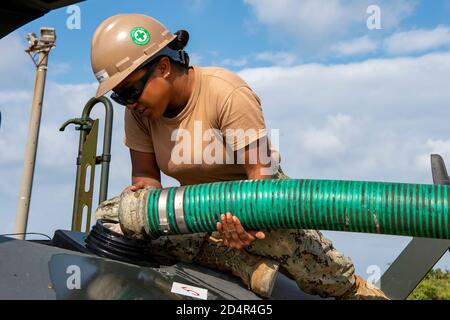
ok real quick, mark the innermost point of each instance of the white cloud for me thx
(362, 45)
(195, 5)
(417, 41)
(391, 108)
(277, 58)
(58, 68)
(17, 96)
(393, 12)
(300, 17)
(195, 58)
(280, 58)
(15, 63)
(433, 146)
(60, 103)
(318, 22)
(236, 63)
(330, 140)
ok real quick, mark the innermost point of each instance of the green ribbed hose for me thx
(369, 207)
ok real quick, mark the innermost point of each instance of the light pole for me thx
(41, 48)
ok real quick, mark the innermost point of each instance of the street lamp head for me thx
(48, 36)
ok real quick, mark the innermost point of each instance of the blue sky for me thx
(225, 30)
(215, 26)
(350, 103)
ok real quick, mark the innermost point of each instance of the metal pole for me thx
(106, 154)
(32, 143)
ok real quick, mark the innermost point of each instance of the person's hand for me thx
(233, 234)
(137, 186)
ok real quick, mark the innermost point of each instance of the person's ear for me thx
(164, 67)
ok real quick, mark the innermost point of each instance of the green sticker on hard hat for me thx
(140, 36)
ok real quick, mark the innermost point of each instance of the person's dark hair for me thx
(179, 43)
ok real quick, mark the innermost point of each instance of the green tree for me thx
(435, 286)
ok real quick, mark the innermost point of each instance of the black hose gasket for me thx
(109, 244)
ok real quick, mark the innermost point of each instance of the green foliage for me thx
(435, 286)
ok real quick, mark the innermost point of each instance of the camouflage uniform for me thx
(305, 256)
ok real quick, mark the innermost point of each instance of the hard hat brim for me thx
(110, 84)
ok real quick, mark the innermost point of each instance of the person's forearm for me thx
(259, 169)
(258, 172)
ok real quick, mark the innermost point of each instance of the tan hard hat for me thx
(121, 44)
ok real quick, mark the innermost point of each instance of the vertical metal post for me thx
(33, 136)
(87, 157)
(105, 158)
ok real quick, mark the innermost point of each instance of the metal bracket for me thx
(87, 161)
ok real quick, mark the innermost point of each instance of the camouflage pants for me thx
(305, 256)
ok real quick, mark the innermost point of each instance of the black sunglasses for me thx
(131, 94)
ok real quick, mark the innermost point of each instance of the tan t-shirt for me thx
(222, 115)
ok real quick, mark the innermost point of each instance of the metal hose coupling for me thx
(416, 210)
